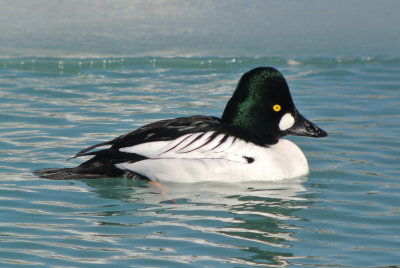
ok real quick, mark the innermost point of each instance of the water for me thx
(346, 213)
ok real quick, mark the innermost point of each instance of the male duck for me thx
(245, 144)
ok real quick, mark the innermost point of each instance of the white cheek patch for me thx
(287, 121)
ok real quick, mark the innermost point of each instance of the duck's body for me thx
(244, 144)
(231, 162)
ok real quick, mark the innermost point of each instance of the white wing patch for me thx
(203, 145)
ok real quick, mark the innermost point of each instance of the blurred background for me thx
(91, 28)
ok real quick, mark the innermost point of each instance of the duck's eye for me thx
(276, 107)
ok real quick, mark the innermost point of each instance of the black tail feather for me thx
(78, 173)
(65, 174)
(102, 165)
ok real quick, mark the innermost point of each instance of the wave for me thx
(76, 65)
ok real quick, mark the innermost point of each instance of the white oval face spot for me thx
(287, 121)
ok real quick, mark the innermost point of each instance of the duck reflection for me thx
(257, 219)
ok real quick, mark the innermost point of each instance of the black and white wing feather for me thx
(164, 130)
(152, 150)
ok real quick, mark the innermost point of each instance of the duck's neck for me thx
(256, 134)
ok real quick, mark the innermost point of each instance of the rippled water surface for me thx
(346, 213)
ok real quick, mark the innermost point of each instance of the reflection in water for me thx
(250, 217)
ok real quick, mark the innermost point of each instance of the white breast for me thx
(193, 158)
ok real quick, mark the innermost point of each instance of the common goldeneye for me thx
(245, 144)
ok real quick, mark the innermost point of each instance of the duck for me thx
(245, 144)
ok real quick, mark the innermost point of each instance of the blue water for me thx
(346, 213)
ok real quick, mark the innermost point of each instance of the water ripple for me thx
(345, 214)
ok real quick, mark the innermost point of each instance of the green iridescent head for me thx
(262, 107)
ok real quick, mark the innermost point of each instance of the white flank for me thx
(170, 161)
(287, 121)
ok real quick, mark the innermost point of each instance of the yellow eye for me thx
(277, 107)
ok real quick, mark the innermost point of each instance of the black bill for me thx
(303, 127)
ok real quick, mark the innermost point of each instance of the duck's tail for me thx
(102, 165)
(66, 174)
(95, 168)
(78, 173)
